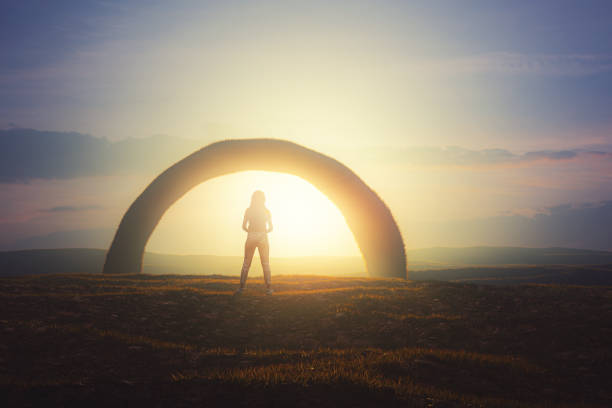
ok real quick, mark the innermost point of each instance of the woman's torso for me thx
(257, 218)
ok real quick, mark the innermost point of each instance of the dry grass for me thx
(321, 340)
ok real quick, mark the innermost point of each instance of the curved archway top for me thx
(367, 216)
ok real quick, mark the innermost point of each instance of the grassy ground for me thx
(72, 340)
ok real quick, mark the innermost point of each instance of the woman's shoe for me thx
(269, 291)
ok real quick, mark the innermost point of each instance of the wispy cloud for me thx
(526, 64)
(584, 225)
(70, 208)
(27, 154)
(462, 157)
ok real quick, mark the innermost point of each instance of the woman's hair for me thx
(258, 199)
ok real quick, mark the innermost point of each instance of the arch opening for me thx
(306, 222)
(366, 215)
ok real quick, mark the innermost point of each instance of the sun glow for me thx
(208, 219)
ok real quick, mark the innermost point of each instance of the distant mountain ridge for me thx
(484, 255)
(87, 238)
(88, 260)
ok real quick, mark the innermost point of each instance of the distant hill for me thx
(429, 258)
(230, 265)
(43, 261)
(491, 265)
(519, 274)
(89, 238)
(85, 260)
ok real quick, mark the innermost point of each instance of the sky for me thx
(477, 122)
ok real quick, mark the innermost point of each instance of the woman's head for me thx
(258, 199)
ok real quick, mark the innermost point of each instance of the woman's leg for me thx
(264, 255)
(249, 250)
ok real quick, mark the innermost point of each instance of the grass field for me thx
(76, 340)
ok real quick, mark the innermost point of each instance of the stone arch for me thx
(369, 219)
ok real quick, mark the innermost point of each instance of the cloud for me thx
(70, 208)
(27, 154)
(585, 226)
(462, 157)
(526, 64)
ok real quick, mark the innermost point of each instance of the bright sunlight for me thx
(207, 220)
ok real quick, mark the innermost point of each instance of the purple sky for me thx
(479, 122)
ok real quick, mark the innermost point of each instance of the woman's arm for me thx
(270, 226)
(244, 222)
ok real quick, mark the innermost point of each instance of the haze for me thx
(478, 123)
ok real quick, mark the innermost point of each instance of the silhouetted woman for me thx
(257, 223)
